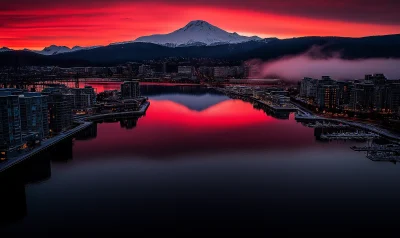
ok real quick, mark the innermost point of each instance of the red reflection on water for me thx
(103, 86)
(169, 130)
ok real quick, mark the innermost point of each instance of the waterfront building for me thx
(59, 88)
(220, 72)
(10, 122)
(393, 97)
(185, 70)
(130, 89)
(144, 69)
(12, 91)
(280, 100)
(308, 88)
(34, 114)
(327, 93)
(164, 68)
(376, 79)
(344, 92)
(362, 97)
(84, 98)
(60, 112)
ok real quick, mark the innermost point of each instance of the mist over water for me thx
(313, 64)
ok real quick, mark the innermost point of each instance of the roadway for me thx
(12, 161)
(84, 122)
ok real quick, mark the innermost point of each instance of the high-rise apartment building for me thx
(308, 87)
(34, 114)
(327, 93)
(10, 121)
(83, 97)
(60, 112)
(130, 89)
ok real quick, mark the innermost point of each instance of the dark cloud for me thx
(364, 11)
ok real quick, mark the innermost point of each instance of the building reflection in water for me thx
(278, 115)
(87, 134)
(12, 186)
(128, 123)
(125, 122)
(38, 169)
(12, 200)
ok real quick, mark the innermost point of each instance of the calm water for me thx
(198, 161)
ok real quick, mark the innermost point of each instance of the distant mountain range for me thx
(5, 49)
(199, 39)
(55, 49)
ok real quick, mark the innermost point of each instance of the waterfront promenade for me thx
(45, 144)
(140, 112)
(83, 121)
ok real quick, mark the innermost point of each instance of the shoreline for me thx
(311, 116)
(84, 122)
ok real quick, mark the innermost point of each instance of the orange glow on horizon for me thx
(102, 26)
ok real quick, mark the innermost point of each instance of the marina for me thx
(302, 117)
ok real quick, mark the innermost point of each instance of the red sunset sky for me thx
(40, 23)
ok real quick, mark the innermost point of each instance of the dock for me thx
(378, 148)
(384, 158)
(302, 117)
(327, 125)
(349, 136)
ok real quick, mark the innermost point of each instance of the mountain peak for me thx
(197, 32)
(55, 47)
(5, 49)
(199, 25)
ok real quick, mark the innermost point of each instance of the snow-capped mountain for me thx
(5, 49)
(55, 49)
(196, 33)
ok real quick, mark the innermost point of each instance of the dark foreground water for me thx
(199, 161)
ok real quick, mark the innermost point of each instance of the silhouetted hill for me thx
(324, 47)
(27, 58)
(347, 48)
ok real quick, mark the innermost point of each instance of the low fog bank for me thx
(308, 65)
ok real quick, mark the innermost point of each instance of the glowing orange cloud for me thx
(68, 26)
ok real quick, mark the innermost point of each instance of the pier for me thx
(377, 148)
(349, 136)
(327, 125)
(384, 158)
(385, 153)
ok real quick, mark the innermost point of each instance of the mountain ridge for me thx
(387, 46)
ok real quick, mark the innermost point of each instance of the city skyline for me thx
(83, 23)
